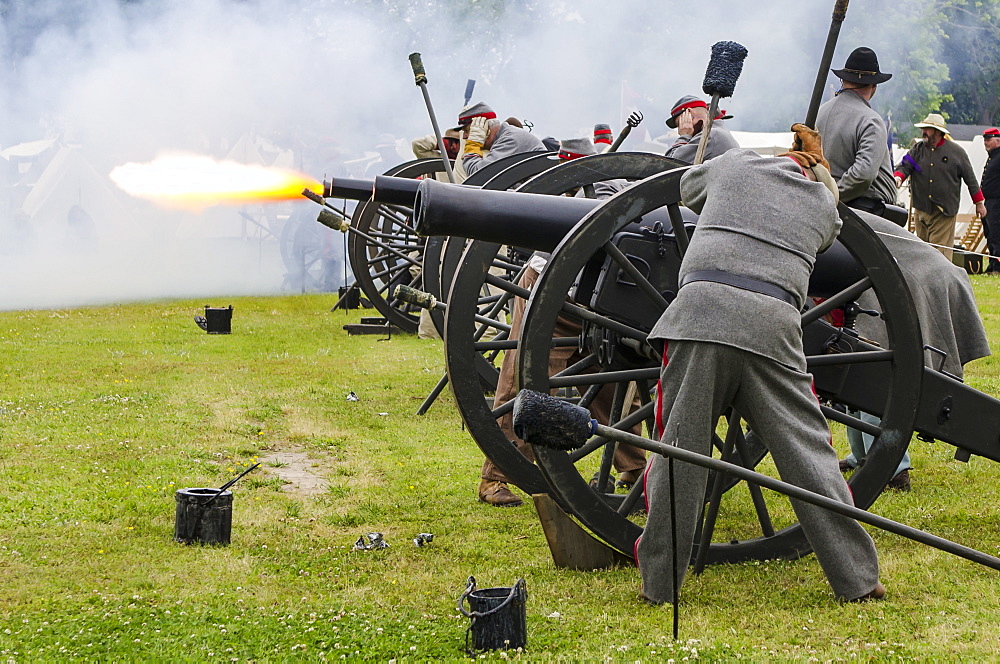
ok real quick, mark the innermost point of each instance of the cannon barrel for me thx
(384, 189)
(395, 191)
(539, 222)
(353, 190)
(529, 221)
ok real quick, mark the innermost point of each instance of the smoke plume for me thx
(316, 86)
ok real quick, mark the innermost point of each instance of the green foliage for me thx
(973, 46)
(946, 59)
(918, 72)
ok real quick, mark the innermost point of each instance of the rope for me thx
(937, 246)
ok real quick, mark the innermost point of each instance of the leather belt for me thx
(739, 281)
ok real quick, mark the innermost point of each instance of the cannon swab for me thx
(724, 68)
(420, 78)
(543, 420)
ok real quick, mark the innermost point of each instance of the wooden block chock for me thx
(571, 546)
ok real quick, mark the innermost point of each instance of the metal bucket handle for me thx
(517, 590)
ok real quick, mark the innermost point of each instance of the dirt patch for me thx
(297, 472)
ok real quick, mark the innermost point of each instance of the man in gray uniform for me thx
(749, 261)
(855, 139)
(688, 117)
(483, 131)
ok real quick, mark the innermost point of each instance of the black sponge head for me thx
(543, 420)
(724, 68)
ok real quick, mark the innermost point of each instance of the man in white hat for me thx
(936, 167)
(855, 138)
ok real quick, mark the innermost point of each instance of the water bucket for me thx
(498, 616)
(350, 296)
(219, 320)
(203, 516)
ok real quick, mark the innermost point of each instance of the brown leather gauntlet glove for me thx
(804, 159)
(807, 141)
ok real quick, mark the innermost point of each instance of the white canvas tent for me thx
(69, 180)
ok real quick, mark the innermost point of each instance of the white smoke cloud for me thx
(316, 84)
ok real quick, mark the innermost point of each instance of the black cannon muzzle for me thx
(531, 221)
(353, 190)
(384, 189)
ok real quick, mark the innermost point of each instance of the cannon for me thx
(383, 249)
(618, 281)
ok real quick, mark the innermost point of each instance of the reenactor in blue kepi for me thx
(991, 192)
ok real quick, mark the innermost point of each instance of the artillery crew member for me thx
(483, 131)
(688, 117)
(991, 194)
(855, 139)
(603, 138)
(749, 261)
(936, 167)
(628, 460)
(426, 147)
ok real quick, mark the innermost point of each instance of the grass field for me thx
(106, 412)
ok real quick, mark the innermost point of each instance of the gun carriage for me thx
(619, 280)
(385, 252)
(385, 249)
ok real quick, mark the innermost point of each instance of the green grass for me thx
(105, 412)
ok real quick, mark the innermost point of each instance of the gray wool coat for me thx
(942, 295)
(510, 140)
(685, 148)
(761, 218)
(733, 235)
(856, 144)
(938, 184)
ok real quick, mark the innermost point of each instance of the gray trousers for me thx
(862, 442)
(698, 383)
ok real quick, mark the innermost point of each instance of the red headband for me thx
(697, 103)
(489, 115)
(570, 155)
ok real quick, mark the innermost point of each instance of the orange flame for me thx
(196, 181)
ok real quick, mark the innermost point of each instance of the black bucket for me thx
(202, 517)
(219, 320)
(498, 616)
(350, 296)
